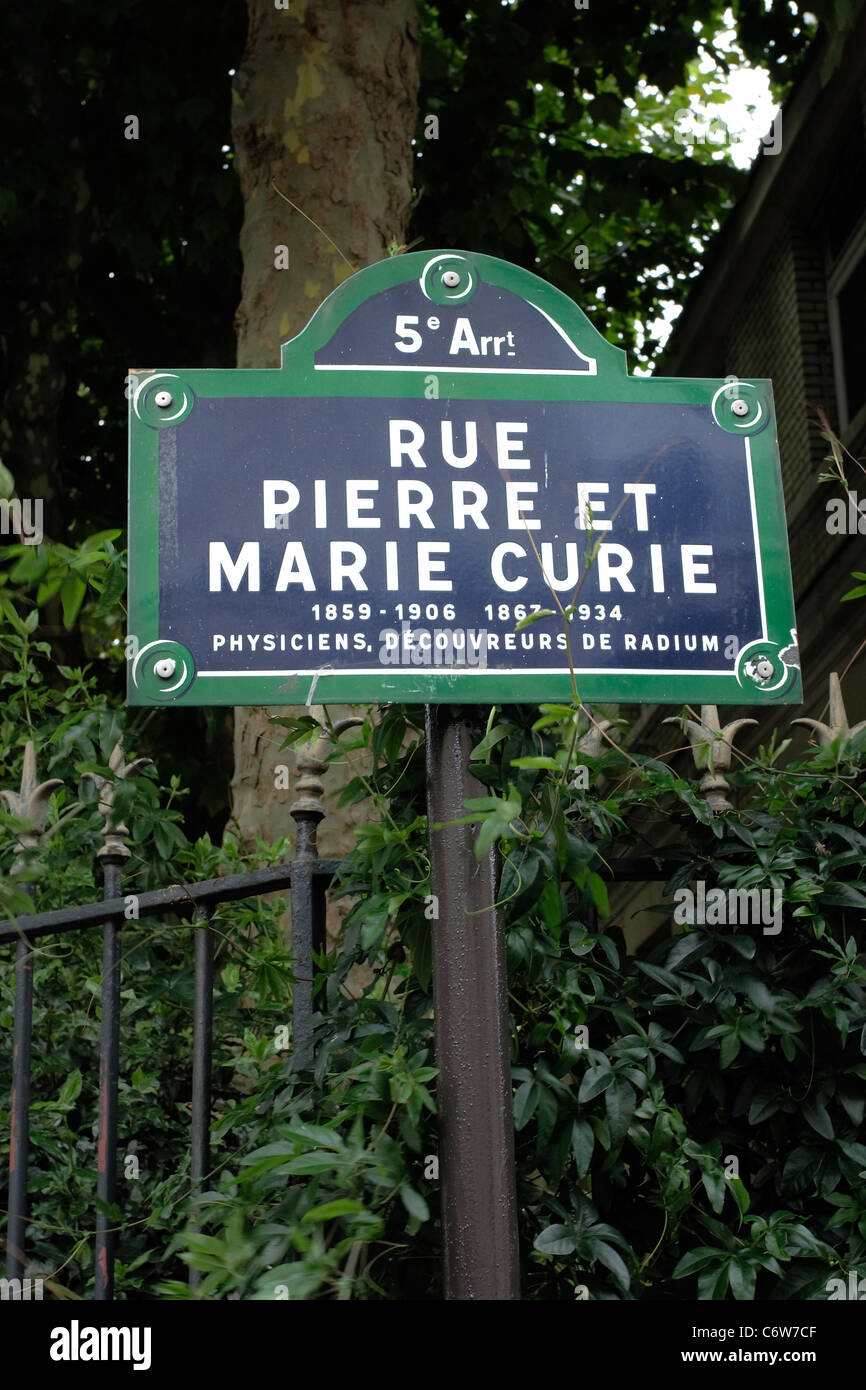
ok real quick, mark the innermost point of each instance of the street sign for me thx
(449, 448)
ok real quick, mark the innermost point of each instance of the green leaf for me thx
(740, 1195)
(414, 1203)
(596, 1080)
(307, 1165)
(341, 1206)
(844, 895)
(742, 1279)
(608, 1256)
(598, 892)
(317, 1135)
(112, 591)
(695, 1260)
(72, 592)
(816, 1115)
(47, 589)
(71, 1088)
(534, 618)
(620, 1104)
(95, 541)
(481, 751)
(373, 929)
(582, 1144)
(525, 1102)
(714, 1185)
(8, 609)
(764, 1105)
(555, 1240)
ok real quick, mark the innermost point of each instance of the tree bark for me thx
(324, 107)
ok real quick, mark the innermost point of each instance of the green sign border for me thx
(750, 681)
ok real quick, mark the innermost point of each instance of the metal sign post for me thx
(451, 492)
(476, 1127)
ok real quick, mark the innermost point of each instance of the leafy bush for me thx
(688, 1119)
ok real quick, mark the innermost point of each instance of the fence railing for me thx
(306, 875)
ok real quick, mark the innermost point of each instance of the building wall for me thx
(778, 327)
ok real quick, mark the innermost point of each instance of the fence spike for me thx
(838, 726)
(310, 764)
(712, 748)
(31, 803)
(589, 743)
(112, 832)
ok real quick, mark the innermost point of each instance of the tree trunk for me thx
(324, 107)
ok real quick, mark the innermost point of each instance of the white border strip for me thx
(449, 367)
(432, 669)
(757, 539)
(592, 365)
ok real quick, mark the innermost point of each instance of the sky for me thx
(736, 125)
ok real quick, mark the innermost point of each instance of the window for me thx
(843, 216)
(846, 288)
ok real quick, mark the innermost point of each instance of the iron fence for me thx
(306, 875)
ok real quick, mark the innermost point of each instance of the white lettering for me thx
(271, 507)
(691, 568)
(509, 585)
(398, 446)
(221, 563)
(505, 446)
(588, 508)
(355, 503)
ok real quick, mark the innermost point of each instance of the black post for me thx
(309, 906)
(112, 856)
(19, 1137)
(109, 1048)
(476, 1128)
(308, 932)
(202, 1047)
(202, 1052)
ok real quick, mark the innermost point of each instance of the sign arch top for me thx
(493, 318)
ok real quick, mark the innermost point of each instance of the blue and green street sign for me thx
(452, 490)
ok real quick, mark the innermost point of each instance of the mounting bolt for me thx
(163, 399)
(740, 407)
(451, 279)
(763, 669)
(165, 668)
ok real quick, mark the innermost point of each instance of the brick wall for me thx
(782, 332)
